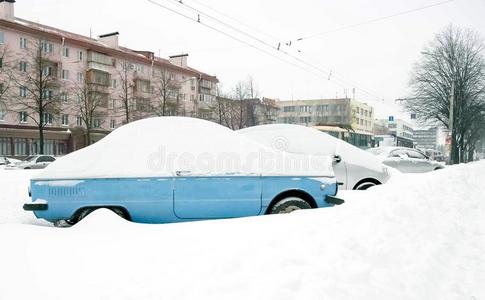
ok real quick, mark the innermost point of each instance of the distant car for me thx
(434, 155)
(354, 168)
(406, 160)
(7, 161)
(180, 169)
(34, 162)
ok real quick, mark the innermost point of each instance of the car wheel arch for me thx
(366, 180)
(119, 210)
(292, 193)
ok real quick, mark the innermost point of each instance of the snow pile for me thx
(162, 146)
(420, 236)
(306, 140)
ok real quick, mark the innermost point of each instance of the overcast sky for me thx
(376, 58)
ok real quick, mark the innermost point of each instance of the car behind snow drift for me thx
(180, 169)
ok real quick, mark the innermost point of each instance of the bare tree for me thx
(5, 74)
(91, 103)
(451, 77)
(37, 82)
(166, 93)
(126, 91)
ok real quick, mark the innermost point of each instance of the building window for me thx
(96, 123)
(23, 91)
(20, 147)
(46, 47)
(64, 97)
(80, 77)
(112, 124)
(23, 43)
(113, 83)
(23, 66)
(47, 118)
(289, 109)
(112, 103)
(65, 120)
(65, 52)
(47, 94)
(65, 74)
(23, 117)
(2, 38)
(3, 111)
(47, 71)
(79, 121)
(80, 56)
(5, 147)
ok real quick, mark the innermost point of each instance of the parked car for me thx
(34, 162)
(434, 155)
(354, 168)
(406, 160)
(7, 161)
(180, 169)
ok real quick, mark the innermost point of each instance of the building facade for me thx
(426, 138)
(328, 112)
(399, 131)
(126, 85)
(343, 118)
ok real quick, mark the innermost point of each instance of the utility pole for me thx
(452, 101)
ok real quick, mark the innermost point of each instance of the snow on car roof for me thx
(163, 146)
(300, 139)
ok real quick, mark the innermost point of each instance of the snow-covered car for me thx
(180, 169)
(7, 161)
(354, 168)
(34, 162)
(406, 160)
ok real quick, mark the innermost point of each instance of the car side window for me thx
(49, 158)
(398, 153)
(40, 159)
(416, 154)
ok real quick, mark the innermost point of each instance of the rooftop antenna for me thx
(90, 33)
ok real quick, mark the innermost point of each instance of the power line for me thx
(373, 20)
(228, 35)
(238, 21)
(277, 48)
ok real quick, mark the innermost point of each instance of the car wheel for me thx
(288, 205)
(364, 186)
(28, 168)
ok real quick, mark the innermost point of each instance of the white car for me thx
(406, 160)
(7, 161)
(34, 162)
(354, 168)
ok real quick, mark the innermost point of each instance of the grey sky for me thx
(376, 57)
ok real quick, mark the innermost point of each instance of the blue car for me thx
(173, 169)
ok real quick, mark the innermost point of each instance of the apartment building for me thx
(334, 112)
(127, 84)
(344, 118)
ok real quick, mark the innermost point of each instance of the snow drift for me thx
(417, 237)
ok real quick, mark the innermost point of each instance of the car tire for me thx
(288, 205)
(28, 168)
(364, 186)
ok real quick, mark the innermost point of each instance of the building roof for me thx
(97, 45)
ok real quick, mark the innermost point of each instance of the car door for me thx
(399, 159)
(209, 197)
(420, 163)
(40, 162)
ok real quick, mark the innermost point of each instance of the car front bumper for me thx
(333, 200)
(35, 206)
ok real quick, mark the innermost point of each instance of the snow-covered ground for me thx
(417, 237)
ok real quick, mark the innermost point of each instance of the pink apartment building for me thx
(75, 59)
